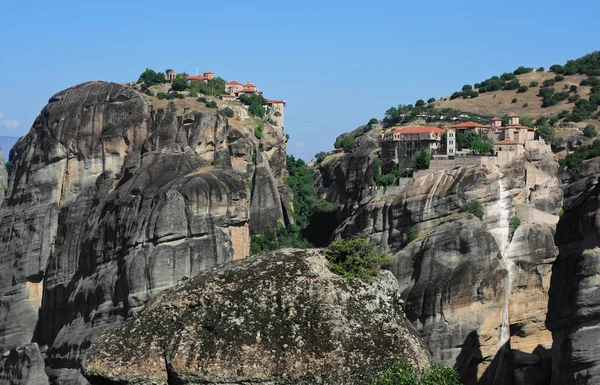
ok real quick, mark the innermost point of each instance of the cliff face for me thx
(110, 201)
(574, 305)
(470, 286)
(279, 318)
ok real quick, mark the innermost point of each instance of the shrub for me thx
(589, 131)
(522, 70)
(533, 84)
(590, 81)
(474, 207)
(162, 96)
(420, 103)
(175, 95)
(559, 78)
(508, 76)
(356, 258)
(228, 112)
(546, 92)
(548, 82)
(346, 143)
(421, 160)
(430, 100)
(277, 114)
(522, 89)
(515, 222)
(402, 374)
(193, 94)
(525, 105)
(512, 85)
(557, 68)
(202, 99)
(545, 131)
(573, 88)
(258, 127)
(541, 69)
(212, 104)
(456, 95)
(561, 95)
(514, 100)
(440, 375)
(179, 84)
(574, 98)
(320, 156)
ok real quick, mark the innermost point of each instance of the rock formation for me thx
(113, 197)
(574, 304)
(281, 317)
(469, 286)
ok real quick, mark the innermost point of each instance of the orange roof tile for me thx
(249, 85)
(469, 124)
(417, 130)
(275, 101)
(233, 83)
(196, 78)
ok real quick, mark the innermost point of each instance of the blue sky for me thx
(335, 63)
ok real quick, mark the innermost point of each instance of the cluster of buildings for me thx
(234, 89)
(404, 142)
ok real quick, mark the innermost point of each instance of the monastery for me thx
(234, 89)
(399, 145)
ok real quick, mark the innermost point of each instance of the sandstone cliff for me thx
(574, 305)
(469, 286)
(280, 318)
(113, 197)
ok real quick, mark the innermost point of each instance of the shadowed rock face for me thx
(110, 202)
(24, 365)
(281, 317)
(574, 304)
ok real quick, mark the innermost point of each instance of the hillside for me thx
(529, 103)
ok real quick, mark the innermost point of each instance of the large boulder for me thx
(279, 318)
(23, 366)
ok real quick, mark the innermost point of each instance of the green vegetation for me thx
(258, 128)
(228, 112)
(388, 179)
(559, 78)
(430, 100)
(175, 95)
(533, 84)
(212, 87)
(355, 258)
(255, 103)
(588, 65)
(180, 83)
(474, 207)
(162, 96)
(515, 222)
(522, 89)
(589, 131)
(150, 77)
(522, 70)
(347, 143)
(212, 104)
(572, 161)
(545, 130)
(574, 98)
(548, 82)
(402, 374)
(320, 156)
(525, 105)
(314, 218)
(514, 100)
(512, 85)
(421, 160)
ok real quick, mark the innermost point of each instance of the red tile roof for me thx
(503, 142)
(233, 83)
(196, 78)
(469, 124)
(275, 101)
(417, 130)
(249, 85)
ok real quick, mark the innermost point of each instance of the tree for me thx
(541, 69)
(512, 85)
(356, 258)
(212, 87)
(533, 84)
(508, 76)
(573, 98)
(559, 78)
(546, 92)
(430, 100)
(320, 156)
(150, 77)
(573, 88)
(514, 100)
(467, 87)
(168, 70)
(589, 131)
(548, 82)
(179, 84)
(522, 70)
(347, 143)
(545, 131)
(420, 103)
(421, 160)
(228, 112)
(522, 89)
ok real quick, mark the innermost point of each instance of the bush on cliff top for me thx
(355, 258)
(402, 374)
(475, 208)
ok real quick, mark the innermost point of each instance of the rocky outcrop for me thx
(278, 318)
(112, 199)
(23, 366)
(471, 288)
(3, 177)
(574, 304)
